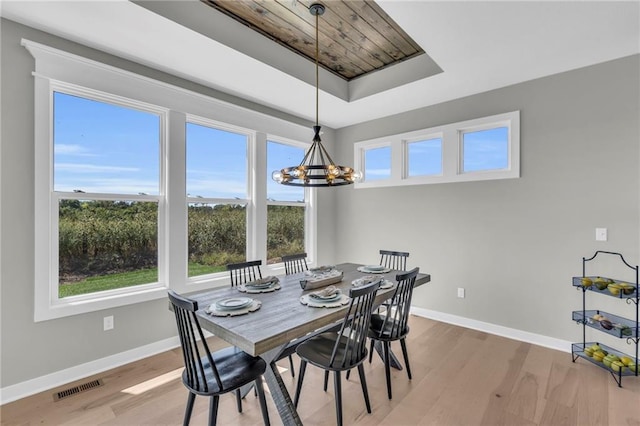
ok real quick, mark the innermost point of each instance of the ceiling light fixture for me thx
(316, 169)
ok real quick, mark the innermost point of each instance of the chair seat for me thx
(318, 351)
(235, 367)
(378, 330)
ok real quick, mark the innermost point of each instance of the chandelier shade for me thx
(316, 169)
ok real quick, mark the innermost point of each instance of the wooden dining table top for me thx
(282, 317)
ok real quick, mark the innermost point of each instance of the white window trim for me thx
(451, 153)
(53, 66)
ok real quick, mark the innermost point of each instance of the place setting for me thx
(369, 279)
(263, 285)
(329, 297)
(374, 269)
(232, 306)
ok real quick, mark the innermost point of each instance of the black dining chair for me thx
(244, 272)
(396, 260)
(342, 349)
(295, 263)
(213, 374)
(392, 323)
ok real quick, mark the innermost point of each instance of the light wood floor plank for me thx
(460, 377)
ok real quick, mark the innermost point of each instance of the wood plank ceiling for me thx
(356, 37)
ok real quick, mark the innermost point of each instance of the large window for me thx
(481, 149)
(217, 195)
(286, 205)
(106, 172)
(142, 186)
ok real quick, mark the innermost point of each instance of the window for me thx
(377, 163)
(142, 186)
(424, 157)
(217, 196)
(485, 149)
(106, 183)
(481, 149)
(286, 206)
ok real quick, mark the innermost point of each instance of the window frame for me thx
(310, 213)
(246, 202)
(451, 135)
(57, 68)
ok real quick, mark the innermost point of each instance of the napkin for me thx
(262, 281)
(326, 292)
(321, 269)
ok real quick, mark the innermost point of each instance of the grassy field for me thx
(125, 279)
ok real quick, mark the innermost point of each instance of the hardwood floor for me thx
(460, 377)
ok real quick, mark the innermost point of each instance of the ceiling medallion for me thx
(316, 169)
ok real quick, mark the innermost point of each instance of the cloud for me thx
(378, 172)
(72, 150)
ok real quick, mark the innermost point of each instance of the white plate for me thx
(375, 267)
(233, 303)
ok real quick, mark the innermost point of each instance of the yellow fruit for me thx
(599, 355)
(613, 289)
(589, 352)
(587, 282)
(617, 366)
(626, 360)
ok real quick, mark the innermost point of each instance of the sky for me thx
(104, 148)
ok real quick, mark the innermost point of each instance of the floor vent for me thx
(77, 389)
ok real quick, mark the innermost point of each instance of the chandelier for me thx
(316, 169)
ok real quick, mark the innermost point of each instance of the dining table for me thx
(281, 322)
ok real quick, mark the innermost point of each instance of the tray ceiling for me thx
(356, 37)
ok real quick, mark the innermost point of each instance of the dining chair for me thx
(244, 272)
(396, 260)
(295, 263)
(213, 374)
(342, 349)
(392, 323)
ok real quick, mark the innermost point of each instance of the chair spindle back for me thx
(295, 263)
(354, 329)
(189, 331)
(397, 315)
(396, 260)
(244, 272)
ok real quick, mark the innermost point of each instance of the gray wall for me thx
(30, 350)
(515, 244)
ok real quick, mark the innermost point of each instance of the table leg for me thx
(393, 361)
(278, 390)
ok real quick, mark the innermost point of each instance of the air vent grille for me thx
(77, 389)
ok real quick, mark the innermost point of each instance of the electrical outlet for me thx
(601, 234)
(461, 292)
(108, 323)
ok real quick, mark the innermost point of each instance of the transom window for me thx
(481, 149)
(377, 163)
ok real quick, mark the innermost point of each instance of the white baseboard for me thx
(50, 381)
(499, 330)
